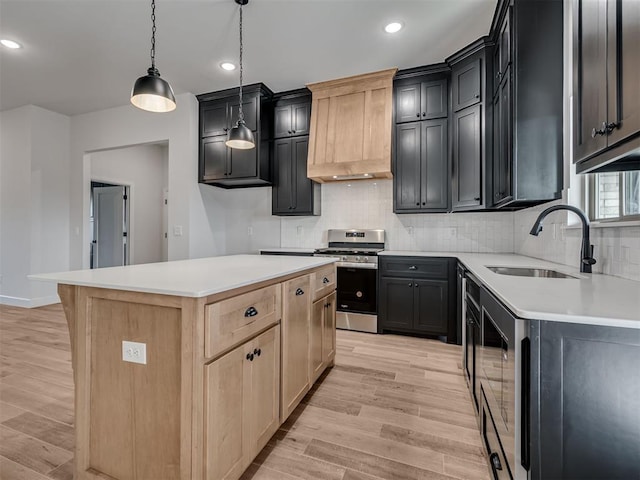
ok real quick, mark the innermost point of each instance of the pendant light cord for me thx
(240, 112)
(153, 35)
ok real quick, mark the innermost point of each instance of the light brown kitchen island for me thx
(232, 346)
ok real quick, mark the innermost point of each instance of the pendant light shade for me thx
(153, 93)
(240, 136)
(150, 92)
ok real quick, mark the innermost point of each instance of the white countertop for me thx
(592, 299)
(189, 278)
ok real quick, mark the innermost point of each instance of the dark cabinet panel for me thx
(396, 303)
(433, 99)
(466, 86)
(417, 295)
(588, 397)
(421, 180)
(407, 181)
(226, 167)
(407, 103)
(291, 120)
(293, 192)
(606, 72)
(502, 149)
(467, 166)
(431, 306)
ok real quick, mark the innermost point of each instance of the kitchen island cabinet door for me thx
(329, 330)
(296, 299)
(315, 345)
(587, 391)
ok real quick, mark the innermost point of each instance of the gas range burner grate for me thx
(348, 251)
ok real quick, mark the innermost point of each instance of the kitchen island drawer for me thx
(233, 321)
(414, 267)
(323, 281)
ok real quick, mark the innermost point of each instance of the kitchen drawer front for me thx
(233, 321)
(414, 267)
(323, 281)
(497, 459)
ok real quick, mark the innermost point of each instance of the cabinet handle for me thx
(325, 280)
(293, 131)
(418, 203)
(415, 285)
(225, 129)
(603, 131)
(424, 203)
(477, 95)
(257, 352)
(494, 459)
(411, 284)
(610, 127)
(289, 132)
(477, 199)
(499, 74)
(413, 267)
(424, 114)
(250, 357)
(251, 312)
(418, 115)
(299, 292)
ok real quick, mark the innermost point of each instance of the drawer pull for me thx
(251, 312)
(325, 280)
(250, 357)
(257, 352)
(495, 462)
(413, 267)
(299, 292)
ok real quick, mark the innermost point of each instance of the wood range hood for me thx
(351, 123)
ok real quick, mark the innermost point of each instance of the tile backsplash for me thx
(369, 204)
(616, 249)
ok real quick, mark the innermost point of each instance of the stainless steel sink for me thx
(530, 272)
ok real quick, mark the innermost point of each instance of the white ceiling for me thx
(84, 55)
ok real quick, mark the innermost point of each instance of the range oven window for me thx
(357, 290)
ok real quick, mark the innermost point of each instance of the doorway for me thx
(109, 218)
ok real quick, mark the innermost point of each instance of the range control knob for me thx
(365, 259)
(344, 258)
(358, 259)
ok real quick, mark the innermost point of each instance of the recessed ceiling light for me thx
(10, 43)
(393, 27)
(228, 66)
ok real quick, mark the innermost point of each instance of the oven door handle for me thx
(367, 266)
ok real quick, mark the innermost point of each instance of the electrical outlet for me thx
(299, 231)
(134, 352)
(249, 231)
(177, 230)
(410, 230)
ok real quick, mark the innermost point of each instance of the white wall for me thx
(128, 126)
(34, 203)
(369, 204)
(144, 169)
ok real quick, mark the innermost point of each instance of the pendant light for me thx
(241, 136)
(151, 92)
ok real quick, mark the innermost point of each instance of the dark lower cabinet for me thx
(293, 192)
(586, 402)
(415, 301)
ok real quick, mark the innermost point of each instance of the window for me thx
(614, 196)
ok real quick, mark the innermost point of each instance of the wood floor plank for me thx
(261, 472)
(465, 469)
(287, 461)
(10, 470)
(45, 429)
(63, 472)
(368, 463)
(8, 411)
(30, 452)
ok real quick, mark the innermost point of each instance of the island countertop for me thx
(594, 299)
(197, 277)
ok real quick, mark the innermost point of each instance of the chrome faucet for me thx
(586, 252)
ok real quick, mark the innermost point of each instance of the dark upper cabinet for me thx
(466, 85)
(606, 80)
(467, 181)
(471, 140)
(420, 96)
(417, 295)
(291, 120)
(293, 192)
(525, 164)
(225, 167)
(422, 177)
(421, 146)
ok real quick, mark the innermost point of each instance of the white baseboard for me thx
(28, 302)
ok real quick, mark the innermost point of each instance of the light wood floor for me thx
(393, 408)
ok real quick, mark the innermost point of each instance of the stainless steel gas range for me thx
(357, 289)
